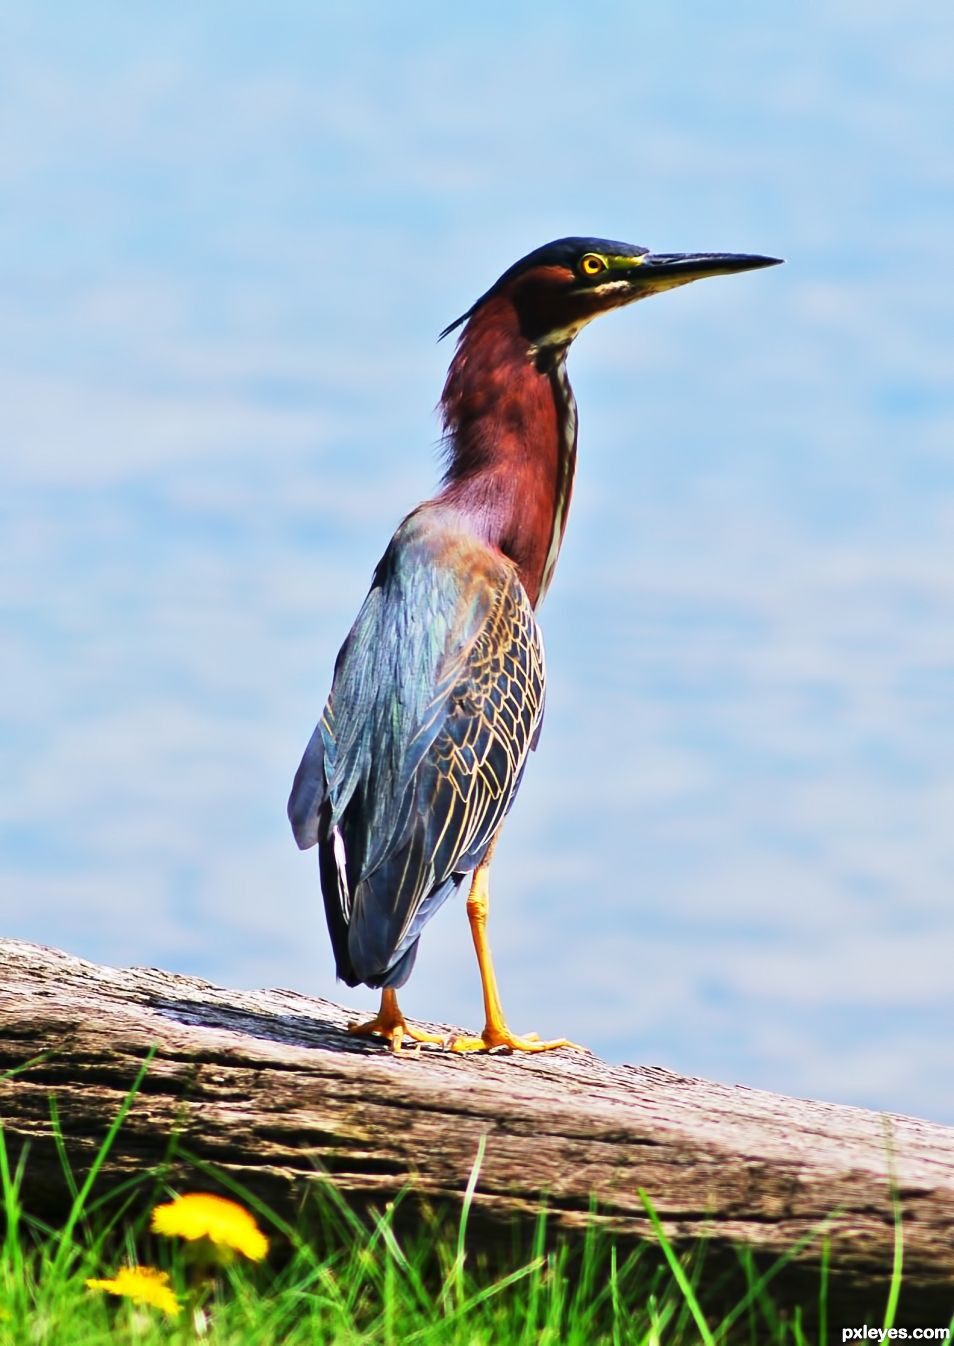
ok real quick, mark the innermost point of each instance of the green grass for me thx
(394, 1277)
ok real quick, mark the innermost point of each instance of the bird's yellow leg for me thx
(496, 1033)
(389, 1023)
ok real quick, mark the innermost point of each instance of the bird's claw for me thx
(494, 1037)
(394, 1029)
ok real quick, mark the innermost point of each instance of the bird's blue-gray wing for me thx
(436, 702)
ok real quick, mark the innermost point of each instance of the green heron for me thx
(438, 691)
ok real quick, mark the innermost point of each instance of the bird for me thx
(437, 698)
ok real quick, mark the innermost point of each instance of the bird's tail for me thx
(334, 913)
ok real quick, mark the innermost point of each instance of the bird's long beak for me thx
(658, 271)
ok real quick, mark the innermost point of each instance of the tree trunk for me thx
(269, 1087)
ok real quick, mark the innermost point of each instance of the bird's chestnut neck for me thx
(510, 432)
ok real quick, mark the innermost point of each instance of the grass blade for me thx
(79, 1201)
(675, 1266)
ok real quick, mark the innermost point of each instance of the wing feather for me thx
(436, 702)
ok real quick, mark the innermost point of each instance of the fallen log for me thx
(269, 1087)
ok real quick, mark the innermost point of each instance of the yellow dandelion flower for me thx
(200, 1215)
(143, 1285)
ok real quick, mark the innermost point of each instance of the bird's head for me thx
(557, 289)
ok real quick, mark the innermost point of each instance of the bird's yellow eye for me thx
(591, 265)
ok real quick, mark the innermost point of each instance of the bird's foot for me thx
(500, 1036)
(389, 1023)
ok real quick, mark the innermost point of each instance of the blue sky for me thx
(229, 239)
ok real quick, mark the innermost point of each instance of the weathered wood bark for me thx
(268, 1086)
